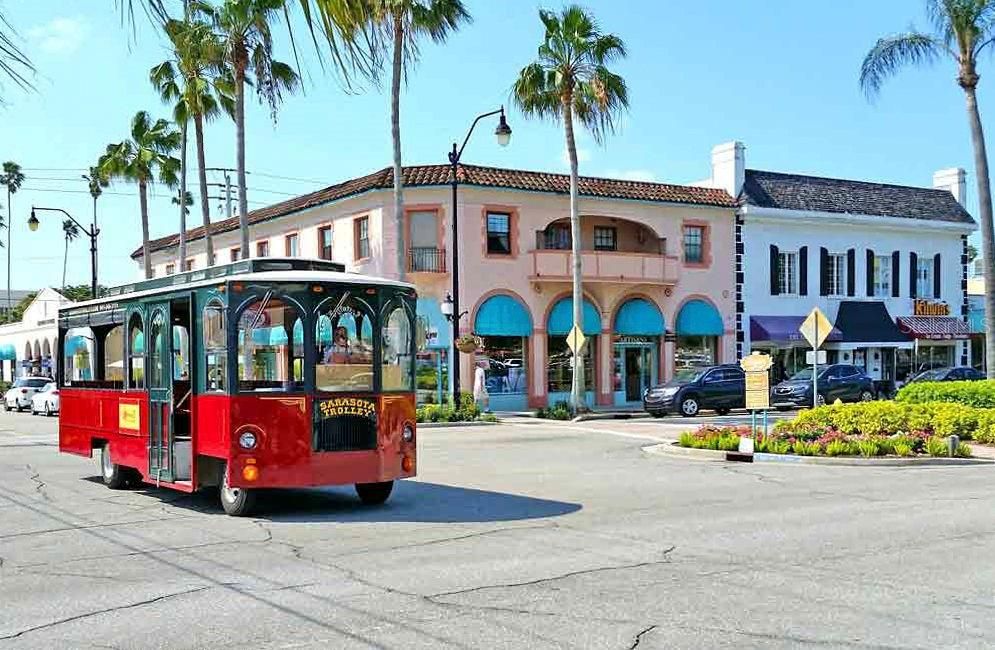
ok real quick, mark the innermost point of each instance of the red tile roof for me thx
(472, 175)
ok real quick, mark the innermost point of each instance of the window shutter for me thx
(913, 271)
(823, 271)
(870, 273)
(775, 288)
(896, 273)
(937, 283)
(851, 272)
(803, 271)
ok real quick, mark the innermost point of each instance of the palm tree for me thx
(570, 81)
(962, 30)
(139, 159)
(14, 64)
(243, 27)
(190, 83)
(12, 178)
(71, 232)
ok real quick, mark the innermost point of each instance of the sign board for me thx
(922, 307)
(129, 416)
(811, 358)
(576, 339)
(757, 380)
(816, 328)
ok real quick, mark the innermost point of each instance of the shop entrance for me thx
(635, 370)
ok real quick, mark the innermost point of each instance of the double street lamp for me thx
(91, 232)
(450, 306)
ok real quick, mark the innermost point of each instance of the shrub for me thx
(728, 442)
(868, 447)
(985, 431)
(902, 449)
(936, 446)
(803, 448)
(838, 448)
(468, 411)
(979, 394)
(559, 411)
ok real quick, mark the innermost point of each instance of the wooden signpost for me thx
(756, 367)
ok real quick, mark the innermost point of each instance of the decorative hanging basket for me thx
(468, 343)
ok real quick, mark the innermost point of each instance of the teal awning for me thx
(7, 352)
(698, 318)
(639, 317)
(561, 318)
(502, 316)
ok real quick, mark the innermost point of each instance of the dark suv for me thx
(720, 388)
(838, 381)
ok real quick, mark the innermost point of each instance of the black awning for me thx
(868, 322)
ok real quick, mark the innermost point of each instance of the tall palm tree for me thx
(191, 83)
(570, 81)
(12, 178)
(147, 154)
(962, 30)
(244, 30)
(71, 232)
(14, 64)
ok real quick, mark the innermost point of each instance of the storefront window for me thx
(559, 372)
(695, 352)
(432, 376)
(344, 338)
(506, 367)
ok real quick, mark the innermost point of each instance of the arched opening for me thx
(699, 329)
(504, 325)
(637, 331)
(559, 357)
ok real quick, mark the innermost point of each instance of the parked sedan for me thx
(20, 394)
(721, 388)
(963, 373)
(46, 400)
(839, 381)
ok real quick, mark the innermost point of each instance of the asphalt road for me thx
(537, 535)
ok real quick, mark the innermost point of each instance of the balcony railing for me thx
(559, 240)
(606, 266)
(426, 260)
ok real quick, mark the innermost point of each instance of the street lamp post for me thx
(503, 135)
(91, 232)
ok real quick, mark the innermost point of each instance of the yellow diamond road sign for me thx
(816, 328)
(576, 339)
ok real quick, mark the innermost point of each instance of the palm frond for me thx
(889, 54)
(14, 64)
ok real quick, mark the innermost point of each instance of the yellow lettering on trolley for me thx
(128, 417)
(346, 406)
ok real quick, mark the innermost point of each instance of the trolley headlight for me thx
(247, 440)
(408, 434)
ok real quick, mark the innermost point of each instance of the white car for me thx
(46, 400)
(20, 394)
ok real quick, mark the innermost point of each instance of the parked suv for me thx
(963, 373)
(721, 388)
(20, 394)
(839, 381)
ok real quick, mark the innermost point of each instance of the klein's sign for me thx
(922, 307)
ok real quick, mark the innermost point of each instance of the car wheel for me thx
(657, 414)
(48, 410)
(115, 477)
(782, 409)
(689, 406)
(373, 494)
(866, 396)
(6, 407)
(237, 502)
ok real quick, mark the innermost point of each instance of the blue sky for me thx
(780, 75)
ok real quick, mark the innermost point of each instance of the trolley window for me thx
(136, 352)
(215, 347)
(270, 346)
(344, 341)
(398, 349)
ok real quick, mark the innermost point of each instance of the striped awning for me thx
(934, 328)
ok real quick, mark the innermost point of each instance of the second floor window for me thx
(362, 238)
(188, 265)
(787, 273)
(498, 233)
(236, 253)
(325, 242)
(605, 238)
(882, 275)
(292, 248)
(924, 277)
(262, 249)
(694, 244)
(837, 274)
(170, 269)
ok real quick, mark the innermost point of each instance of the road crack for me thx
(639, 637)
(39, 484)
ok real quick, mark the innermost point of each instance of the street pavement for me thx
(532, 535)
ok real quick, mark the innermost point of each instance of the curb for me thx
(447, 425)
(672, 450)
(635, 415)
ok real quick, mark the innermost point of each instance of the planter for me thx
(468, 343)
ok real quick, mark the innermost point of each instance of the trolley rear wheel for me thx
(373, 494)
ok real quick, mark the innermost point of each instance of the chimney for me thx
(729, 167)
(951, 180)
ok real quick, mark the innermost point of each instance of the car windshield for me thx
(806, 373)
(30, 383)
(930, 375)
(688, 375)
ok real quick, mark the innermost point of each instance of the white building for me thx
(887, 264)
(30, 347)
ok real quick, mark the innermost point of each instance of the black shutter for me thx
(823, 272)
(803, 271)
(896, 273)
(937, 284)
(913, 271)
(775, 258)
(851, 272)
(870, 273)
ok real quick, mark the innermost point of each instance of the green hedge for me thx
(559, 411)
(979, 394)
(468, 411)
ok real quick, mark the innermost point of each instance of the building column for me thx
(667, 351)
(537, 369)
(605, 366)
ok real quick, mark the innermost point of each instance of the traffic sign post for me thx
(815, 328)
(576, 340)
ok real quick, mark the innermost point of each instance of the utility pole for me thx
(226, 185)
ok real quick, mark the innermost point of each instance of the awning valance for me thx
(7, 352)
(934, 328)
(867, 322)
(561, 319)
(699, 318)
(782, 329)
(639, 317)
(502, 316)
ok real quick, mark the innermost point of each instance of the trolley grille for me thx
(345, 433)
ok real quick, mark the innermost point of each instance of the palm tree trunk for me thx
(395, 131)
(144, 202)
(183, 194)
(65, 263)
(243, 201)
(10, 304)
(205, 210)
(987, 233)
(577, 383)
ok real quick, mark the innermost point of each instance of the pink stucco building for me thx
(658, 260)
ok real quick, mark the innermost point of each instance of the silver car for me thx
(46, 400)
(20, 394)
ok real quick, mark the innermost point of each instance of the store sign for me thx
(922, 307)
(756, 366)
(634, 340)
